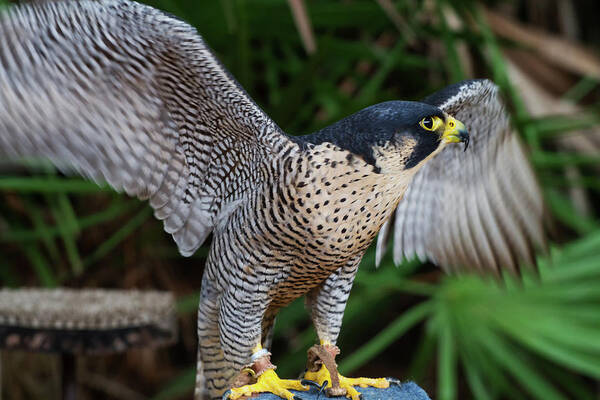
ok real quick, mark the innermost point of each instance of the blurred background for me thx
(308, 64)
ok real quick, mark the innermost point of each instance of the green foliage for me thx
(539, 338)
(520, 329)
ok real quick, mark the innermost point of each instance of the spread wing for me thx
(480, 209)
(122, 93)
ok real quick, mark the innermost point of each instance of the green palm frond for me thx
(517, 335)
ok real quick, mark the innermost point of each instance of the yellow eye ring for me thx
(430, 123)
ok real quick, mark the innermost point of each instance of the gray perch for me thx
(84, 322)
(396, 391)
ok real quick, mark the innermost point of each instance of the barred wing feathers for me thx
(126, 94)
(480, 209)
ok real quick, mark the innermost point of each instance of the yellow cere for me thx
(454, 130)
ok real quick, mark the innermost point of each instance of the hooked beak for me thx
(455, 132)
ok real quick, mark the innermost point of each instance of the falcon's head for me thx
(408, 133)
(394, 136)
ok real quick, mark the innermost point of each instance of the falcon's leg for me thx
(214, 374)
(241, 327)
(327, 303)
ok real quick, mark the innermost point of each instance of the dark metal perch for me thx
(73, 322)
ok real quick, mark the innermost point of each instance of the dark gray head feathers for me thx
(379, 125)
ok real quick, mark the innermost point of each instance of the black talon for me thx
(226, 395)
(296, 397)
(306, 382)
(323, 386)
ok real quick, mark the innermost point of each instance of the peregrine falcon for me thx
(123, 93)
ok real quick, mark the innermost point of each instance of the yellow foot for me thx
(348, 384)
(269, 382)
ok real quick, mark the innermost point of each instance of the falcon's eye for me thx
(430, 123)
